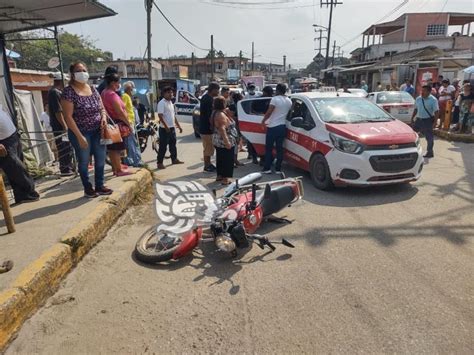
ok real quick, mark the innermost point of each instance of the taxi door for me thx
(185, 104)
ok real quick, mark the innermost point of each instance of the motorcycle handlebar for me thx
(272, 247)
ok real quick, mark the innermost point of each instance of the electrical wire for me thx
(254, 6)
(390, 13)
(178, 31)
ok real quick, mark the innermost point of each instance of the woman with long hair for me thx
(115, 108)
(224, 139)
(85, 116)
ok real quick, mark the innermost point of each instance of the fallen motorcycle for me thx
(245, 203)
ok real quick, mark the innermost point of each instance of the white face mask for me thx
(81, 77)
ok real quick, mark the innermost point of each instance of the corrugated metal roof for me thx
(23, 15)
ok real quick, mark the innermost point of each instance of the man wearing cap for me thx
(252, 92)
(58, 124)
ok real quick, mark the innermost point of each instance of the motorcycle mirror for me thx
(268, 192)
(287, 243)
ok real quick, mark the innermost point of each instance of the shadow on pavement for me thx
(47, 211)
(215, 264)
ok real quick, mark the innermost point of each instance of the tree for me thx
(36, 54)
(217, 54)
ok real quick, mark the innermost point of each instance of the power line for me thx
(178, 31)
(254, 5)
(390, 13)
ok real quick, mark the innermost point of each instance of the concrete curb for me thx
(455, 137)
(40, 279)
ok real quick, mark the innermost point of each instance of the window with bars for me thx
(436, 30)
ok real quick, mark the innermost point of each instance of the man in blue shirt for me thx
(426, 113)
(409, 88)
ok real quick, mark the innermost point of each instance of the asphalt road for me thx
(379, 270)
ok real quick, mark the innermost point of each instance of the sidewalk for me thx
(455, 137)
(39, 225)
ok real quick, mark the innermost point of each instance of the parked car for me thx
(340, 139)
(399, 104)
(355, 92)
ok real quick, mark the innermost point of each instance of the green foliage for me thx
(217, 54)
(35, 54)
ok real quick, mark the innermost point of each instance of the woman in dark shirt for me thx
(85, 116)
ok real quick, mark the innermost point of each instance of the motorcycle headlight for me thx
(196, 113)
(346, 145)
(225, 243)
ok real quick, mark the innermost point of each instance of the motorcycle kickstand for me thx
(278, 220)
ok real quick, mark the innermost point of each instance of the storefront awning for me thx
(23, 15)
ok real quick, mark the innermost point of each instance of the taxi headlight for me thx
(346, 145)
(418, 142)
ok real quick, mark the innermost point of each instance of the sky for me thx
(278, 27)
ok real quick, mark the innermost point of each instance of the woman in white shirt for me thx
(275, 123)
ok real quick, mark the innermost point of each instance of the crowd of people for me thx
(219, 129)
(84, 112)
(431, 107)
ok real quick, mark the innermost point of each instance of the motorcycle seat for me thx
(280, 197)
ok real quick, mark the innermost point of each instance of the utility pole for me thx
(193, 63)
(58, 48)
(149, 5)
(333, 53)
(253, 54)
(212, 57)
(240, 64)
(331, 4)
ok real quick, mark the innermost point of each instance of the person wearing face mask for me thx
(252, 92)
(134, 157)
(85, 116)
(115, 108)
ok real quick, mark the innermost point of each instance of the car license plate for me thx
(402, 112)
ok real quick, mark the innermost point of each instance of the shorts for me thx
(208, 147)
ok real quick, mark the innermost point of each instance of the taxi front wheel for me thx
(320, 174)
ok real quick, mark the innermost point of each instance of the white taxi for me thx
(340, 139)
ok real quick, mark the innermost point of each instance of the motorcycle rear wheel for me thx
(155, 247)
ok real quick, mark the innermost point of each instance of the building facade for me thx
(413, 31)
(225, 68)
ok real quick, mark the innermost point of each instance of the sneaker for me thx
(103, 191)
(428, 155)
(160, 166)
(266, 172)
(210, 169)
(67, 173)
(90, 193)
(177, 161)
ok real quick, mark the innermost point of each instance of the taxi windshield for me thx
(349, 110)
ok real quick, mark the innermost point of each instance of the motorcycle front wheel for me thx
(155, 247)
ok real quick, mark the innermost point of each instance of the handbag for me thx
(110, 133)
(124, 129)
